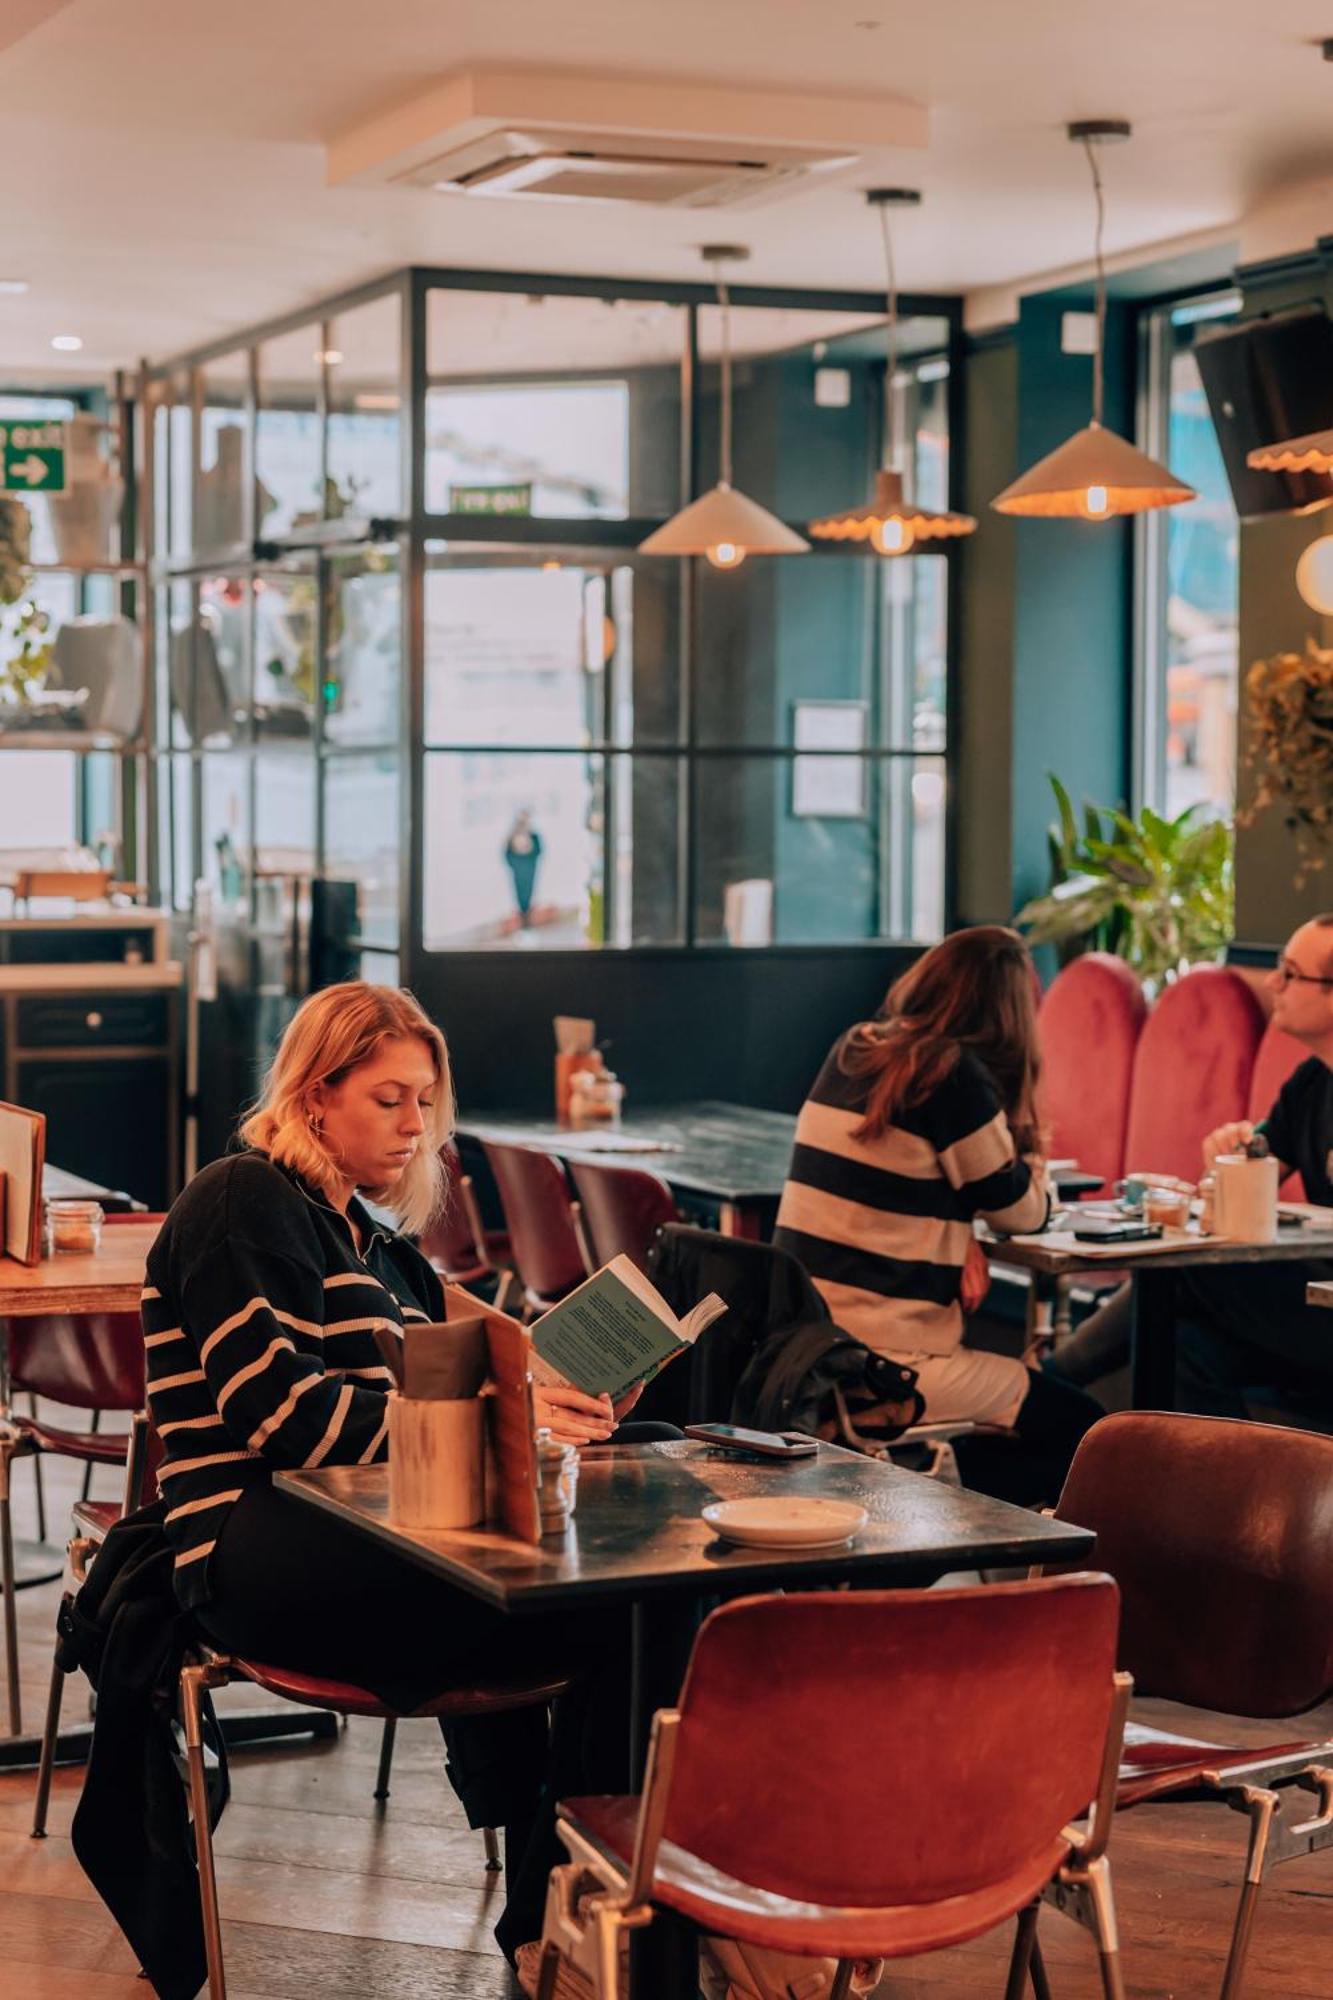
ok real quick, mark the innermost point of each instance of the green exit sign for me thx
(32, 458)
(511, 499)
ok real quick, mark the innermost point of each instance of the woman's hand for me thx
(570, 1416)
(975, 1281)
(627, 1402)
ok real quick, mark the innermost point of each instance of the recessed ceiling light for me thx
(330, 356)
(13, 287)
(67, 343)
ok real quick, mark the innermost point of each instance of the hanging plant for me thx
(25, 629)
(1289, 745)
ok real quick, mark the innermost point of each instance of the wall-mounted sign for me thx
(32, 458)
(510, 499)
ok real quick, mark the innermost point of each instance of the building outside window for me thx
(1188, 669)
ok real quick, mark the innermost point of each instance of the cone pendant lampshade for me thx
(724, 525)
(1094, 475)
(1312, 453)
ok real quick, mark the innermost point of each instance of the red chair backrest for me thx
(1089, 1024)
(1220, 1535)
(1278, 1057)
(88, 1361)
(1192, 1070)
(876, 1747)
(535, 1197)
(623, 1208)
(447, 1238)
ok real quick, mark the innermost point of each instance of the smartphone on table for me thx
(1106, 1229)
(764, 1444)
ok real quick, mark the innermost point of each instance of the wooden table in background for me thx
(1320, 1293)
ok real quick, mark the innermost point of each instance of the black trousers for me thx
(1027, 1465)
(296, 1587)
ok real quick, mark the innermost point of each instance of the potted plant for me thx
(1289, 744)
(25, 644)
(1158, 892)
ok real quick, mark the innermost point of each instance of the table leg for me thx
(1153, 1340)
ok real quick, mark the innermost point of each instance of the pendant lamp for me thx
(1096, 473)
(891, 523)
(1312, 453)
(724, 525)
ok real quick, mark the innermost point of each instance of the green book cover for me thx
(614, 1330)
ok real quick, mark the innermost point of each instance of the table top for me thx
(1320, 1293)
(731, 1152)
(109, 1279)
(637, 1527)
(1057, 1253)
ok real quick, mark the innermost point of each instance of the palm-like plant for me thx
(1158, 892)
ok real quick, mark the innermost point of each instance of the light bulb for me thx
(1095, 503)
(892, 537)
(1314, 576)
(725, 555)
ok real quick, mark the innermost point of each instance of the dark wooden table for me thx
(1320, 1293)
(637, 1535)
(1152, 1269)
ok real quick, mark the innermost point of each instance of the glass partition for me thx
(289, 448)
(363, 359)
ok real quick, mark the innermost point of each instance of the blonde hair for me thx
(329, 1036)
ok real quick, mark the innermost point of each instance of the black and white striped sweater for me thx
(259, 1323)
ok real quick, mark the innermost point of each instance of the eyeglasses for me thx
(1287, 973)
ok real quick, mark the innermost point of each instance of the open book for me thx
(614, 1331)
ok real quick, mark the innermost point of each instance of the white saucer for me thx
(786, 1524)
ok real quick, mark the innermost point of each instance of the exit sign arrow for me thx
(31, 470)
(32, 458)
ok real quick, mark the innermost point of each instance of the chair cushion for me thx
(1156, 1763)
(720, 1903)
(484, 1698)
(91, 1447)
(96, 1518)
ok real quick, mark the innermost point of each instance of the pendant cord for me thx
(724, 301)
(1097, 366)
(890, 339)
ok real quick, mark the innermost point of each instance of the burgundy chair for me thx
(1090, 1021)
(1220, 1535)
(539, 1216)
(456, 1240)
(1279, 1056)
(622, 1209)
(856, 1776)
(1192, 1070)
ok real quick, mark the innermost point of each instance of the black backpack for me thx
(817, 1379)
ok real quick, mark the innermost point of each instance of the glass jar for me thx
(558, 1470)
(595, 1097)
(72, 1226)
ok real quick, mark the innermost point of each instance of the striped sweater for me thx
(259, 1319)
(883, 1225)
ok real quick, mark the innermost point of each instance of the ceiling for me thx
(171, 153)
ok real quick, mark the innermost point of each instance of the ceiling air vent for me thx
(587, 166)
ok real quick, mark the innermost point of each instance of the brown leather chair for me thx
(541, 1220)
(807, 1720)
(1220, 1535)
(622, 1209)
(457, 1241)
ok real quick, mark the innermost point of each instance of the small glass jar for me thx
(1167, 1208)
(72, 1226)
(595, 1097)
(558, 1469)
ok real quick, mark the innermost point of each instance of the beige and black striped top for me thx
(883, 1225)
(259, 1323)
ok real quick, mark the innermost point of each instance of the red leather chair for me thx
(456, 1240)
(1220, 1535)
(539, 1216)
(1278, 1057)
(1192, 1070)
(801, 1717)
(1090, 1021)
(622, 1209)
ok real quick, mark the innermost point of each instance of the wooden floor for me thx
(326, 1898)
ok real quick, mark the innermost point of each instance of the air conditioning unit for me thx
(566, 136)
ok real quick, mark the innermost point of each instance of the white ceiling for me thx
(171, 153)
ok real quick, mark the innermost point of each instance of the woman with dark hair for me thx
(918, 1124)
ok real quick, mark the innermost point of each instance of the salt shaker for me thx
(558, 1470)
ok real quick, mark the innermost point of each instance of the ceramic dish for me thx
(786, 1524)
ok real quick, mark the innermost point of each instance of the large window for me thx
(1187, 654)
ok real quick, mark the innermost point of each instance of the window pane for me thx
(222, 658)
(553, 406)
(284, 816)
(37, 798)
(362, 840)
(224, 388)
(362, 679)
(364, 369)
(287, 443)
(225, 782)
(285, 641)
(1202, 557)
(645, 811)
(513, 850)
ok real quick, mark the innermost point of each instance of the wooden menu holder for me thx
(513, 1434)
(22, 1157)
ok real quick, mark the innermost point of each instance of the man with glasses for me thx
(1246, 1328)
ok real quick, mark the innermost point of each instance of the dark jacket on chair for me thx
(131, 1830)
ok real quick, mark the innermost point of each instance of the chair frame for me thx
(590, 1932)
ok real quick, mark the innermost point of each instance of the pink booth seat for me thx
(1090, 1022)
(1192, 1070)
(1279, 1054)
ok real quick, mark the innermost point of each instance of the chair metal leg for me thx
(1041, 1985)
(7, 1586)
(1261, 1806)
(386, 1758)
(50, 1732)
(94, 1425)
(1019, 1964)
(193, 1683)
(37, 1478)
(490, 1840)
(1104, 1928)
(842, 1980)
